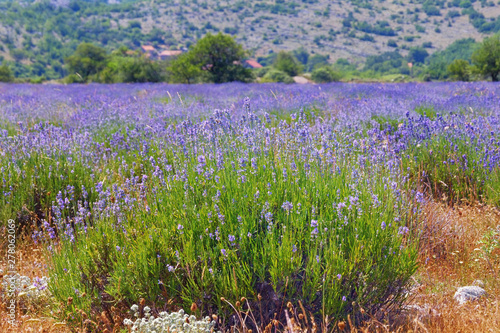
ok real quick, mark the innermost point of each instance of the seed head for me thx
(341, 325)
(194, 307)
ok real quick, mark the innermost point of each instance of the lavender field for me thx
(219, 198)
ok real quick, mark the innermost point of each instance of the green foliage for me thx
(343, 65)
(480, 22)
(487, 57)
(274, 75)
(317, 60)
(388, 62)
(87, 61)
(380, 28)
(49, 33)
(267, 60)
(260, 72)
(168, 248)
(419, 28)
(452, 171)
(5, 74)
(439, 61)
(287, 63)
(431, 10)
(349, 21)
(301, 55)
(459, 69)
(325, 74)
(417, 55)
(367, 38)
(129, 69)
(392, 43)
(183, 70)
(453, 14)
(220, 57)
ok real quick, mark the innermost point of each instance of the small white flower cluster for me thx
(25, 287)
(175, 322)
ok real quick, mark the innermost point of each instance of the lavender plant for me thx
(187, 194)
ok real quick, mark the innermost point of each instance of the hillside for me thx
(35, 36)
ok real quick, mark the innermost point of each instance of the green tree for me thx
(417, 55)
(183, 69)
(459, 69)
(221, 57)
(315, 61)
(5, 73)
(325, 74)
(87, 61)
(275, 75)
(301, 55)
(287, 63)
(487, 57)
(129, 69)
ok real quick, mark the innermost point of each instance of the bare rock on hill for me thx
(469, 293)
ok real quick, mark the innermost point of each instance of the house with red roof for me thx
(250, 63)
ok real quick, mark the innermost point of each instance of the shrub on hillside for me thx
(287, 63)
(325, 74)
(274, 75)
(460, 70)
(5, 74)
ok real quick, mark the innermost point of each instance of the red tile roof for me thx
(253, 63)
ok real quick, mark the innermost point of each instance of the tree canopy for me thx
(5, 74)
(487, 57)
(221, 59)
(459, 69)
(287, 63)
(183, 69)
(87, 60)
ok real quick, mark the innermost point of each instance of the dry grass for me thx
(452, 255)
(31, 317)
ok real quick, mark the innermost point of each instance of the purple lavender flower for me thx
(419, 197)
(288, 206)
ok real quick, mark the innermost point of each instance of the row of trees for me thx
(218, 58)
(215, 58)
(91, 63)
